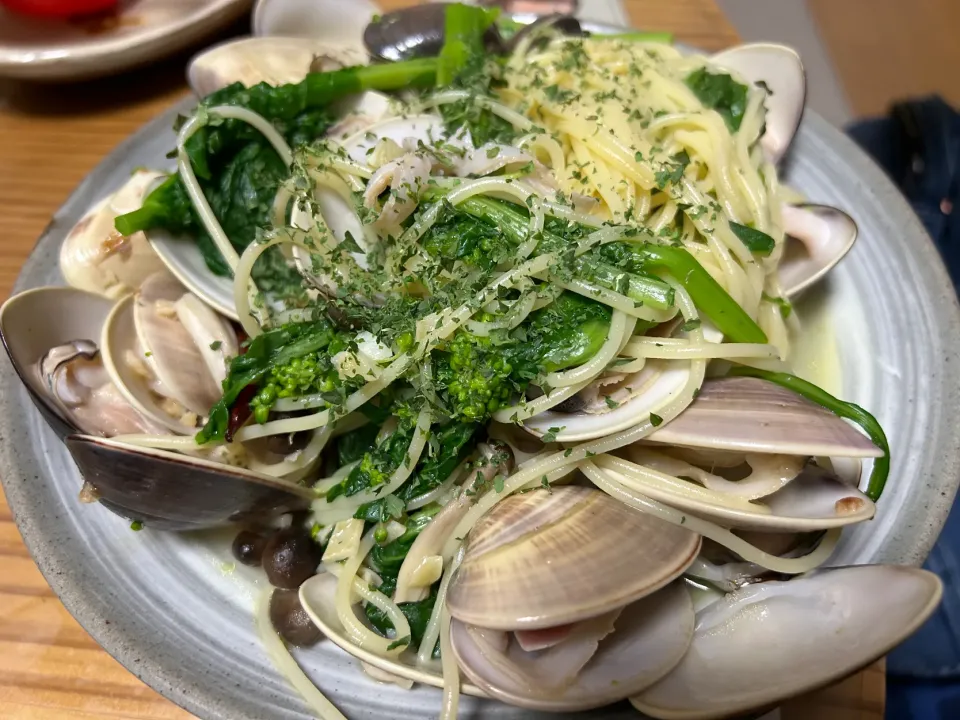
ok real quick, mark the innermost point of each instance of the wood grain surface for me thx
(50, 138)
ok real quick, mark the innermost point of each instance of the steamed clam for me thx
(274, 60)
(96, 258)
(87, 377)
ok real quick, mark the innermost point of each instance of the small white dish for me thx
(135, 33)
(342, 21)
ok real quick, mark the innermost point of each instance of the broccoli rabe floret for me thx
(305, 375)
(474, 376)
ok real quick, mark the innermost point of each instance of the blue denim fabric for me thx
(919, 147)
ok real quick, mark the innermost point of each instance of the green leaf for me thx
(756, 241)
(656, 420)
(399, 642)
(720, 92)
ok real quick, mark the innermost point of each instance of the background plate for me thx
(175, 612)
(138, 31)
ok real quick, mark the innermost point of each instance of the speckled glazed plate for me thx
(136, 32)
(177, 614)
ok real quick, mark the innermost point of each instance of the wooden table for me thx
(50, 138)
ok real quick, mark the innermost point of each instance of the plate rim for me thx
(91, 609)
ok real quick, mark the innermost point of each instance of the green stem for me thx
(323, 88)
(707, 294)
(652, 37)
(463, 30)
(849, 411)
(648, 290)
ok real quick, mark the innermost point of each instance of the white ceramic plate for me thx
(139, 31)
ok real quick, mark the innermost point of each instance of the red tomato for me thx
(58, 8)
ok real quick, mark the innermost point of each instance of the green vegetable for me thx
(706, 293)
(353, 445)
(473, 376)
(238, 169)
(378, 464)
(304, 375)
(756, 241)
(720, 92)
(270, 349)
(464, 65)
(849, 411)
(514, 223)
(386, 561)
(567, 332)
(464, 26)
(651, 37)
(453, 444)
(671, 171)
(417, 614)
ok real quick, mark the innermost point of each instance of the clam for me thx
(550, 612)
(779, 68)
(96, 258)
(274, 60)
(168, 491)
(167, 353)
(633, 399)
(751, 415)
(813, 500)
(50, 334)
(818, 237)
(322, 20)
(597, 661)
(318, 597)
(338, 213)
(566, 561)
(770, 641)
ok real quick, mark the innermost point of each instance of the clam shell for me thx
(770, 641)
(547, 558)
(36, 320)
(757, 416)
(814, 500)
(818, 237)
(96, 258)
(274, 60)
(318, 597)
(119, 336)
(662, 380)
(168, 491)
(169, 349)
(650, 638)
(781, 69)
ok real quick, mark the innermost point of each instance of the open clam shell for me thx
(547, 558)
(818, 237)
(779, 67)
(648, 640)
(166, 355)
(34, 322)
(318, 598)
(96, 258)
(652, 388)
(167, 491)
(751, 415)
(814, 500)
(274, 60)
(770, 641)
